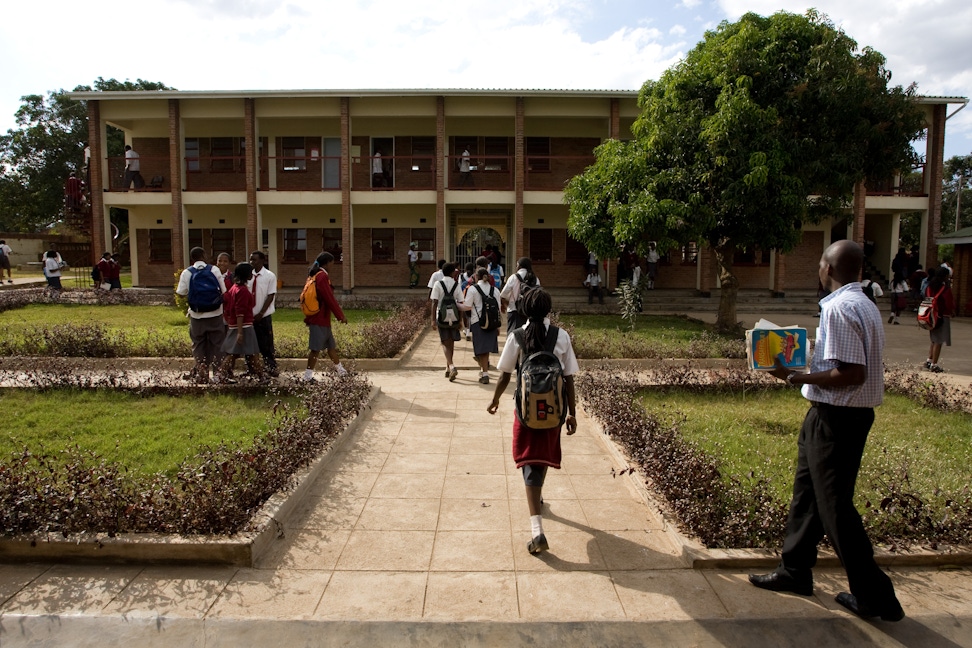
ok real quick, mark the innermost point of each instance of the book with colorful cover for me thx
(767, 341)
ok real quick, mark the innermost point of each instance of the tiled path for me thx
(415, 534)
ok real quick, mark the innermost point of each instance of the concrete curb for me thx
(242, 550)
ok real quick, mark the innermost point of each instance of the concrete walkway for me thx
(416, 535)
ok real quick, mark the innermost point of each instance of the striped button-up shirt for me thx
(851, 332)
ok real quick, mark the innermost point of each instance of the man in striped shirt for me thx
(844, 385)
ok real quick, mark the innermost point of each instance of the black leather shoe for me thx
(890, 612)
(777, 582)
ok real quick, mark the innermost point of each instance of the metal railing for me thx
(907, 184)
(153, 174)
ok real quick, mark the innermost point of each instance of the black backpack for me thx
(204, 291)
(489, 319)
(541, 393)
(526, 285)
(869, 291)
(448, 315)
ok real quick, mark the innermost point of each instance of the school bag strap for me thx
(549, 342)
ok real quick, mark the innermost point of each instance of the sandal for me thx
(538, 545)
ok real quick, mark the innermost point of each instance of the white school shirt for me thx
(564, 350)
(436, 277)
(476, 302)
(183, 290)
(131, 161)
(52, 267)
(593, 279)
(511, 291)
(266, 284)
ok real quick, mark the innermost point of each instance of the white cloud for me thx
(677, 30)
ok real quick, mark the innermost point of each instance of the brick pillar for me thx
(252, 151)
(440, 174)
(779, 274)
(860, 196)
(97, 188)
(934, 168)
(519, 182)
(706, 269)
(347, 265)
(615, 119)
(179, 256)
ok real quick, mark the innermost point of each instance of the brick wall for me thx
(153, 154)
(221, 179)
(152, 274)
(802, 262)
(962, 279)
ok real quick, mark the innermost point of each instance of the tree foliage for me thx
(48, 143)
(766, 125)
(957, 177)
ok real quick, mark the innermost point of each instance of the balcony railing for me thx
(301, 173)
(393, 172)
(216, 173)
(154, 172)
(551, 172)
(904, 184)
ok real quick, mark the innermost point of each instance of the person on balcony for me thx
(377, 170)
(133, 169)
(465, 175)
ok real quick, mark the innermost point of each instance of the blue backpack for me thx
(204, 291)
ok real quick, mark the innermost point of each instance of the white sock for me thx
(340, 369)
(536, 525)
(308, 374)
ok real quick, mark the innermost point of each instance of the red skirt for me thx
(535, 446)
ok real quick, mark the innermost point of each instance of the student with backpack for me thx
(520, 282)
(870, 288)
(944, 308)
(318, 305)
(203, 285)
(543, 357)
(5, 253)
(482, 301)
(446, 298)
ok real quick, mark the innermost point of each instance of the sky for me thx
(388, 44)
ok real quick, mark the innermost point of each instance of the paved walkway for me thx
(415, 535)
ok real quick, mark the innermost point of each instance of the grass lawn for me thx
(654, 336)
(144, 434)
(756, 436)
(164, 330)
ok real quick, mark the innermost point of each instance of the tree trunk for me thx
(726, 321)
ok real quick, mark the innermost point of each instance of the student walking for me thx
(534, 451)
(899, 296)
(482, 301)
(240, 338)
(519, 282)
(5, 253)
(593, 283)
(264, 289)
(204, 287)
(52, 270)
(944, 306)
(446, 292)
(319, 333)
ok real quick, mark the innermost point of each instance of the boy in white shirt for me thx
(593, 283)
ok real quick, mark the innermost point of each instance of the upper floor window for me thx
(538, 146)
(223, 241)
(497, 153)
(423, 153)
(192, 154)
(295, 245)
(294, 154)
(223, 152)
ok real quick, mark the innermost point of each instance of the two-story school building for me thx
(364, 173)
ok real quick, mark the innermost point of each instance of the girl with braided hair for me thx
(536, 450)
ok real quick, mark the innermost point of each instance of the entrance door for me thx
(473, 230)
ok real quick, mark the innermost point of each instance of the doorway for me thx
(473, 230)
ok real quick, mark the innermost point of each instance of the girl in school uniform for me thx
(238, 303)
(484, 342)
(536, 450)
(52, 270)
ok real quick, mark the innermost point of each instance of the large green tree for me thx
(956, 194)
(48, 143)
(767, 124)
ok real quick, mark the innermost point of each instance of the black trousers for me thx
(263, 328)
(830, 449)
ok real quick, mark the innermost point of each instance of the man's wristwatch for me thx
(789, 378)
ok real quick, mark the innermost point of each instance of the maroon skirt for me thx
(535, 446)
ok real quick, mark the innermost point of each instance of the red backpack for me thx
(928, 316)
